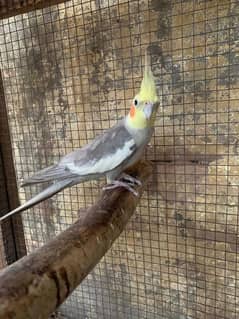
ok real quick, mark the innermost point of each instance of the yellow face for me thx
(142, 113)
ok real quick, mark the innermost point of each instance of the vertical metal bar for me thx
(12, 229)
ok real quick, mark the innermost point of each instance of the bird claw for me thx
(116, 184)
(130, 179)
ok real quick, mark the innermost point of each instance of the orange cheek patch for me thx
(132, 111)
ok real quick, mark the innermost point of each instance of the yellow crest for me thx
(148, 91)
(143, 109)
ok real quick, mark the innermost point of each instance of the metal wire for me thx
(70, 71)
(3, 209)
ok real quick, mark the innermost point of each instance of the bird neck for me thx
(140, 135)
(136, 120)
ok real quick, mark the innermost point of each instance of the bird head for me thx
(145, 104)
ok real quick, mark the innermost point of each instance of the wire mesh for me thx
(3, 209)
(70, 71)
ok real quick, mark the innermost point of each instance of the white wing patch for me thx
(106, 163)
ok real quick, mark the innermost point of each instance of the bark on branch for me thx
(37, 284)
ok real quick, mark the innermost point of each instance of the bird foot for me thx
(116, 184)
(130, 179)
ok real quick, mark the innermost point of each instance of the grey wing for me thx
(102, 155)
(52, 173)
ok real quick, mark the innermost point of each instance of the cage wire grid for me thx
(69, 72)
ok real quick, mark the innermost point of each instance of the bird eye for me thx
(135, 102)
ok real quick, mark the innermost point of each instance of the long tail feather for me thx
(46, 193)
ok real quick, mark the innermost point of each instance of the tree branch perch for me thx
(37, 284)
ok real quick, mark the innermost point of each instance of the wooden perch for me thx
(37, 284)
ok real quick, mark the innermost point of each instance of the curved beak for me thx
(149, 108)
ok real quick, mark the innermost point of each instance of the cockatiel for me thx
(108, 155)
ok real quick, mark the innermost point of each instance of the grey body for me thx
(141, 139)
(107, 155)
(102, 147)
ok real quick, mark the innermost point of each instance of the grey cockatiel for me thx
(108, 155)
